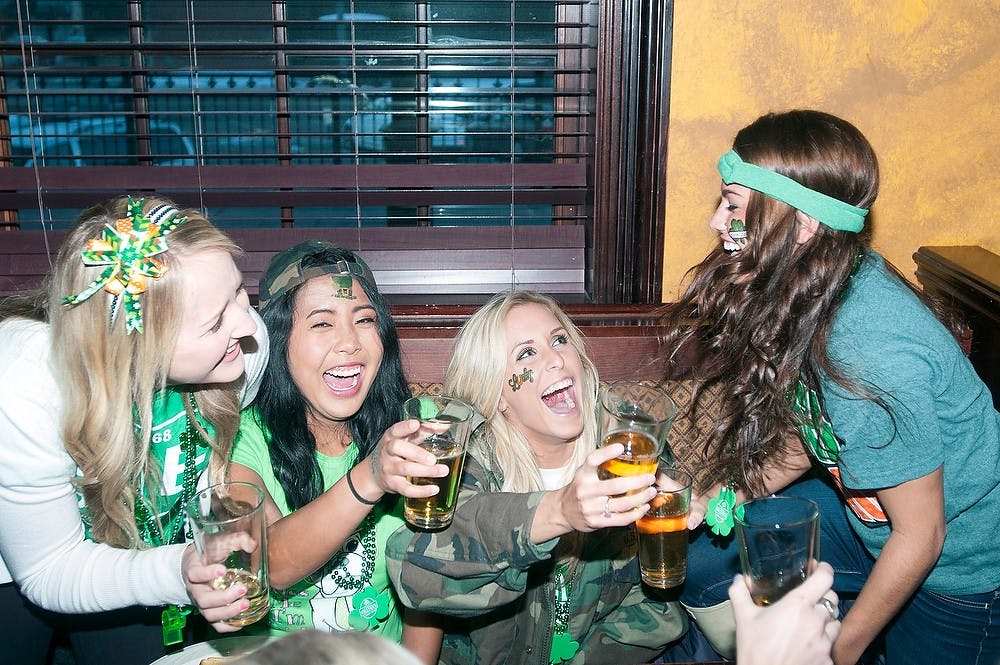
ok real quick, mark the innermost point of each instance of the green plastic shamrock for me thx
(719, 515)
(173, 619)
(564, 647)
(370, 607)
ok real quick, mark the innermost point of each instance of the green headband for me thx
(830, 211)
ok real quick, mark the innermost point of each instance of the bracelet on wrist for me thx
(354, 491)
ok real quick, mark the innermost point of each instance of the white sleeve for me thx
(41, 534)
(255, 356)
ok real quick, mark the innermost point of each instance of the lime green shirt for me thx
(343, 594)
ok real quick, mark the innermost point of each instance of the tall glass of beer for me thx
(445, 427)
(228, 525)
(663, 532)
(779, 544)
(637, 414)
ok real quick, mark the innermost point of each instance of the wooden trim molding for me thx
(625, 256)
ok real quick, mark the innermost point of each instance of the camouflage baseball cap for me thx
(286, 272)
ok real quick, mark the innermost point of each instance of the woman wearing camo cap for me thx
(325, 442)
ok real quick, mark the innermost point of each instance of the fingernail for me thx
(244, 605)
(241, 591)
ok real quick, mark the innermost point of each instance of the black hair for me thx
(282, 407)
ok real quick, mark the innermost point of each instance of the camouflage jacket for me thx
(496, 587)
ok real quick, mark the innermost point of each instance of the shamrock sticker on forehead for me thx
(343, 286)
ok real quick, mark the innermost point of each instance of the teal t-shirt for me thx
(352, 589)
(942, 416)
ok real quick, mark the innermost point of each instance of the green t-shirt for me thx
(169, 423)
(337, 596)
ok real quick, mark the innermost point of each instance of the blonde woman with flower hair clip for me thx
(117, 400)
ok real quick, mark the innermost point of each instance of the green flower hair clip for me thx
(127, 249)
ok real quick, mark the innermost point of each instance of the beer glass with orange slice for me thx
(638, 415)
(663, 532)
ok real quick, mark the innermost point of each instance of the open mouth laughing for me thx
(560, 397)
(343, 379)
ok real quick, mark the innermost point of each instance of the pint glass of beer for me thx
(445, 427)
(228, 525)
(779, 544)
(637, 414)
(663, 532)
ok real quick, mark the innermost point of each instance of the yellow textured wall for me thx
(920, 78)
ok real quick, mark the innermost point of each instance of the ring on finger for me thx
(830, 608)
(607, 507)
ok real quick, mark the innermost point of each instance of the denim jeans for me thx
(932, 628)
(937, 629)
(714, 560)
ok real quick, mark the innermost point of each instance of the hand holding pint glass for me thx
(228, 524)
(663, 532)
(779, 544)
(637, 415)
(445, 427)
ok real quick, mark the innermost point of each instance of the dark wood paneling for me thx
(969, 278)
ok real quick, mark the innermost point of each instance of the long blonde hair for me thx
(108, 377)
(477, 372)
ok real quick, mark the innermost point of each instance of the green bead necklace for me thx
(153, 531)
(564, 647)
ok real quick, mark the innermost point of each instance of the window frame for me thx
(624, 208)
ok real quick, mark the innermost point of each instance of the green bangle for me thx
(354, 491)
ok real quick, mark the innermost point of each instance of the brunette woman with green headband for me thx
(839, 383)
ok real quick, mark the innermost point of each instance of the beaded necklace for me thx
(369, 607)
(343, 578)
(154, 532)
(151, 529)
(564, 647)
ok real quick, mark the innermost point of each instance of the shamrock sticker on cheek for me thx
(738, 233)
(515, 382)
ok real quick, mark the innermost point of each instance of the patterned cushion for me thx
(428, 389)
(689, 435)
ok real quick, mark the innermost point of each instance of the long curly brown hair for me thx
(758, 320)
